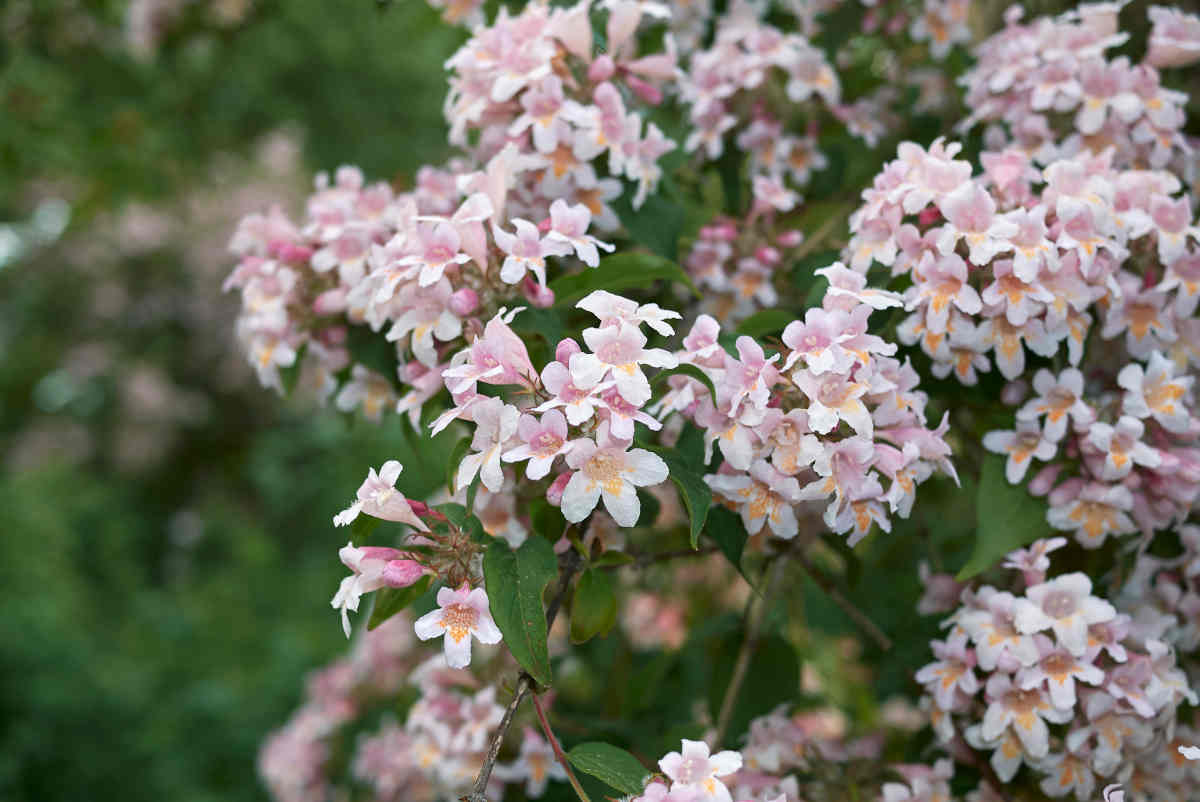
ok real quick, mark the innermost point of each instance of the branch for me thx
(860, 618)
(756, 610)
(651, 557)
(558, 752)
(524, 684)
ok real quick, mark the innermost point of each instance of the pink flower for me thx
(1155, 391)
(461, 615)
(373, 567)
(610, 471)
(763, 495)
(541, 441)
(833, 398)
(613, 309)
(940, 284)
(440, 246)
(535, 764)
(1173, 222)
(819, 340)
(495, 424)
(1057, 671)
(568, 226)
(697, 771)
(618, 352)
(1022, 445)
(426, 316)
(498, 357)
(971, 215)
(1064, 605)
(1058, 399)
(1174, 39)
(993, 631)
(379, 498)
(1122, 447)
(1024, 711)
(751, 376)
(526, 251)
(952, 673)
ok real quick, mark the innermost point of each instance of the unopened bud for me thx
(647, 92)
(602, 69)
(402, 573)
(565, 349)
(554, 492)
(539, 295)
(464, 301)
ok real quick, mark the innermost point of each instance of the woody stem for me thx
(558, 752)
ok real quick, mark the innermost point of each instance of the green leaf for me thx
(725, 527)
(691, 371)
(594, 610)
(546, 323)
(372, 350)
(515, 581)
(362, 527)
(617, 272)
(456, 457)
(389, 601)
(695, 492)
(1006, 518)
(612, 558)
(768, 321)
(656, 224)
(611, 765)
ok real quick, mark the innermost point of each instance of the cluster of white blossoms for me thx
(1055, 678)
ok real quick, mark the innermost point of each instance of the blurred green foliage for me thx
(165, 570)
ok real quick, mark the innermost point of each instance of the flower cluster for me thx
(1057, 679)
(736, 263)
(533, 80)
(418, 264)
(581, 407)
(1032, 76)
(828, 419)
(999, 267)
(1123, 446)
(734, 87)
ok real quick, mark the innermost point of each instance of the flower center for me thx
(604, 467)
(1059, 604)
(459, 620)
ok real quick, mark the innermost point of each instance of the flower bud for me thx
(647, 92)
(330, 302)
(464, 301)
(790, 239)
(565, 349)
(767, 255)
(402, 573)
(540, 296)
(602, 69)
(1014, 392)
(554, 492)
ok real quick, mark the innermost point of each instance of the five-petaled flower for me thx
(460, 615)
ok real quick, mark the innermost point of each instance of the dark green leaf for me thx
(515, 581)
(544, 322)
(611, 765)
(725, 527)
(768, 321)
(594, 610)
(656, 225)
(695, 492)
(618, 272)
(389, 601)
(651, 507)
(372, 350)
(1007, 518)
(362, 527)
(691, 371)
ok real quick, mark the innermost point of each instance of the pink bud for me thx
(330, 302)
(767, 255)
(602, 69)
(402, 573)
(296, 254)
(726, 231)
(540, 296)
(1041, 483)
(418, 507)
(790, 239)
(929, 216)
(554, 492)
(544, 226)
(463, 302)
(870, 21)
(1014, 392)
(565, 349)
(896, 24)
(647, 92)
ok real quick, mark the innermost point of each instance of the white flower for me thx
(379, 498)
(612, 473)
(619, 349)
(461, 614)
(696, 771)
(496, 423)
(1065, 605)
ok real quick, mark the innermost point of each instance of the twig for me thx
(524, 684)
(756, 610)
(860, 618)
(650, 557)
(558, 752)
